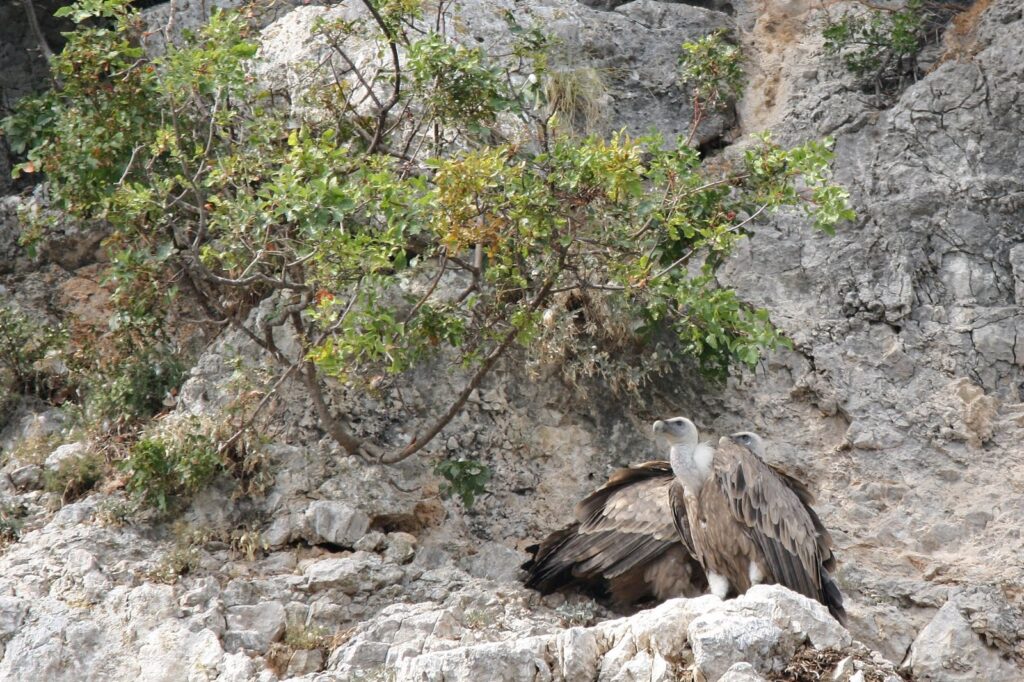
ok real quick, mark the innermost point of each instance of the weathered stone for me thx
(644, 34)
(401, 547)
(66, 451)
(360, 572)
(495, 561)
(335, 523)
(373, 541)
(720, 638)
(948, 650)
(28, 477)
(741, 672)
(254, 627)
(304, 662)
(201, 593)
(12, 613)
(1017, 266)
(768, 625)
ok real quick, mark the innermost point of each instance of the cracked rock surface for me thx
(901, 403)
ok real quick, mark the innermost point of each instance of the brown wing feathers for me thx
(632, 538)
(776, 512)
(620, 543)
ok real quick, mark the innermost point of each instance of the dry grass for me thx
(578, 97)
(961, 38)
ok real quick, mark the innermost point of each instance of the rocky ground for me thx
(901, 404)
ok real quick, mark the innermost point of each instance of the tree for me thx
(572, 241)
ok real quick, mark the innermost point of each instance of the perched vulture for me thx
(746, 522)
(623, 544)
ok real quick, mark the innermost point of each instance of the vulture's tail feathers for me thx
(833, 597)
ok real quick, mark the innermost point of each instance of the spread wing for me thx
(624, 541)
(779, 520)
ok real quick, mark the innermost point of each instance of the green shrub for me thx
(881, 46)
(135, 389)
(11, 521)
(75, 476)
(467, 478)
(24, 343)
(212, 192)
(163, 470)
(184, 555)
(713, 67)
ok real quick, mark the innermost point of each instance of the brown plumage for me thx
(623, 544)
(747, 523)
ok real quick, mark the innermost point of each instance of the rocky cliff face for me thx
(900, 404)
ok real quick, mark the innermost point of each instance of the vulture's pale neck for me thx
(691, 463)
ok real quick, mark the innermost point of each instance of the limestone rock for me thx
(741, 672)
(401, 548)
(12, 614)
(769, 624)
(335, 523)
(360, 572)
(949, 650)
(28, 477)
(645, 35)
(66, 451)
(254, 627)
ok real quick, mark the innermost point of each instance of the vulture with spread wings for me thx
(623, 544)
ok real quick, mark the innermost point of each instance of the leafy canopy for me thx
(434, 208)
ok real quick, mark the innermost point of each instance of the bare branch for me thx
(351, 444)
(485, 367)
(354, 69)
(33, 25)
(430, 291)
(396, 92)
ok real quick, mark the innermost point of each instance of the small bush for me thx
(184, 555)
(133, 390)
(162, 470)
(115, 512)
(467, 478)
(10, 524)
(713, 67)
(881, 46)
(33, 448)
(298, 637)
(301, 637)
(24, 343)
(75, 476)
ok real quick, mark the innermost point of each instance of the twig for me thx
(492, 358)
(430, 290)
(685, 257)
(33, 25)
(382, 115)
(131, 161)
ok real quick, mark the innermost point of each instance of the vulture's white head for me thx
(691, 460)
(751, 441)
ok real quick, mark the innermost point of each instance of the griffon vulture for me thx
(623, 544)
(746, 522)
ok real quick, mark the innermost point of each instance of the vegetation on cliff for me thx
(431, 161)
